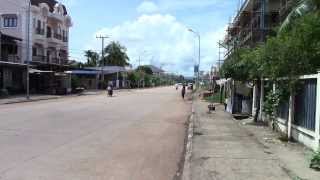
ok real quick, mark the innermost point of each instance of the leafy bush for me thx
(75, 82)
(215, 98)
(315, 161)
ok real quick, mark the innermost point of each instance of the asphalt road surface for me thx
(137, 135)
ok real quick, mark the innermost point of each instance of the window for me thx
(49, 32)
(13, 49)
(34, 51)
(10, 21)
(39, 24)
(34, 22)
(59, 29)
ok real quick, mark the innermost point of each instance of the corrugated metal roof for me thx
(83, 72)
(109, 69)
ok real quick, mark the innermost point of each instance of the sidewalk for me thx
(40, 97)
(226, 149)
(21, 99)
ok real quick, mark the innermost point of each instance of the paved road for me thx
(137, 135)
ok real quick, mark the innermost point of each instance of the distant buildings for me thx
(49, 38)
(155, 70)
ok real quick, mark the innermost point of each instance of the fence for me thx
(299, 115)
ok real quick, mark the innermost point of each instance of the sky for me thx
(154, 30)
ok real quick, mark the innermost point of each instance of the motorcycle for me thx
(110, 91)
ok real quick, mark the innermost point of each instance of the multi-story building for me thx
(254, 21)
(48, 26)
(12, 71)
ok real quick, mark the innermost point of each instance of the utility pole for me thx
(102, 58)
(143, 52)
(28, 50)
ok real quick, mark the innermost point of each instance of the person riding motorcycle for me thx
(110, 90)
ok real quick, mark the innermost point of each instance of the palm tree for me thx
(92, 58)
(303, 7)
(116, 55)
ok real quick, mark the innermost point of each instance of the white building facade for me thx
(48, 28)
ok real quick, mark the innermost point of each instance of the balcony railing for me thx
(59, 61)
(39, 58)
(55, 60)
(11, 58)
(40, 31)
(64, 61)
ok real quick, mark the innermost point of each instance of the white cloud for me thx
(166, 40)
(147, 7)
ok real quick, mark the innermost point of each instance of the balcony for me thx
(56, 16)
(59, 61)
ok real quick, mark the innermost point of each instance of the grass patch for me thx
(215, 98)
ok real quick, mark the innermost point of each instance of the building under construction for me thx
(254, 21)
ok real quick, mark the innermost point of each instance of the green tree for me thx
(293, 52)
(116, 55)
(92, 58)
(302, 8)
(145, 69)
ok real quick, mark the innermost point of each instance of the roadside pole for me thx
(102, 59)
(28, 50)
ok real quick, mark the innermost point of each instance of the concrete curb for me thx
(186, 173)
(31, 100)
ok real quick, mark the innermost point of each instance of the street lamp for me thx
(199, 60)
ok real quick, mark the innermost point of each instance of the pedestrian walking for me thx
(183, 91)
